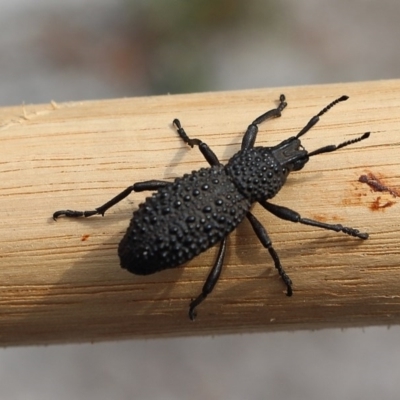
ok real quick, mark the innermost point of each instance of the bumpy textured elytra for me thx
(181, 220)
(186, 217)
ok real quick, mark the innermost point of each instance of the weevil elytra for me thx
(194, 212)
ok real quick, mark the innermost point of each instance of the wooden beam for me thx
(61, 281)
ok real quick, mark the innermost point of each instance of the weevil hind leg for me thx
(136, 187)
(211, 281)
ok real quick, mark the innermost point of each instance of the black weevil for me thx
(186, 217)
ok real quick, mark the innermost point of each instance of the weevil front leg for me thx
(211, 281)
(266, 242)
(293, 216)
(136, 187)
(250, 136)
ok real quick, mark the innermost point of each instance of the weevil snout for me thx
(291, 154)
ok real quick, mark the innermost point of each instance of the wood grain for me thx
(61, 281)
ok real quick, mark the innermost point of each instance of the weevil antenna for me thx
(315, 118)
(332, 147)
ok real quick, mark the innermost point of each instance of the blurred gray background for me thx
(93, 49)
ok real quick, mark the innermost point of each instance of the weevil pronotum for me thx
(194, 212)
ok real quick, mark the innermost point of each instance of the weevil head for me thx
(290, 154)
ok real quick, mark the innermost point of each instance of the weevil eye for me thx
(300, 163)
